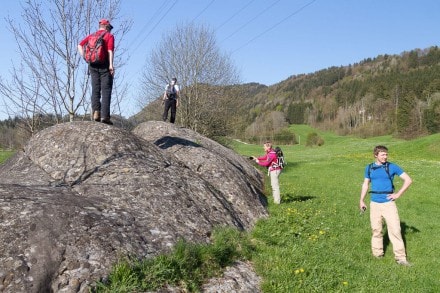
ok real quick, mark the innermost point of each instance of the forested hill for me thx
(389, 94)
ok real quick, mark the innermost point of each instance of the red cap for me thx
(104, 21)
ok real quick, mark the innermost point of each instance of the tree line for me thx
(389, 94)
(397, 95)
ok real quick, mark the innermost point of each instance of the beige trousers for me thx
(275, 184)
(387, 212)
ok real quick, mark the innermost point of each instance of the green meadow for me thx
(317, 240)
(4, 155)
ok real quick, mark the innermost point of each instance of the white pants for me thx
(275, 185)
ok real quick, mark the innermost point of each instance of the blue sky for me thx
(270, 40)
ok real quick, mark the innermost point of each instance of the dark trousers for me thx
(170, 103)
(102, 84)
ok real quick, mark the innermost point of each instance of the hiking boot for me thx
(97, 116)
(107, 121)
(403, 262)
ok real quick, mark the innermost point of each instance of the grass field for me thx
(4, 155)
(317, 241)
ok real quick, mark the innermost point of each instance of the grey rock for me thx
(237, 278)
(232, 175)
(82, 195)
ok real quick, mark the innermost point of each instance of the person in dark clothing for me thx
(171, 100)
(102, 74)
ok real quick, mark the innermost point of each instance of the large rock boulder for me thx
(81, 195)
(232, 175)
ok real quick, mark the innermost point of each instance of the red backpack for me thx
(95, 53)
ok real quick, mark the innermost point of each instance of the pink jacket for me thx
(269, 160)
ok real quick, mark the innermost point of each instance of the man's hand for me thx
(362, 206)
(393, 196)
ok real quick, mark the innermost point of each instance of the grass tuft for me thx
(4, 155)
(187, 266)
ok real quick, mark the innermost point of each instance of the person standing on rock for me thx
(97, 49)
(171, 100)
(270, 160)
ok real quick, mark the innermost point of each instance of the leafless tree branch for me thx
(190, 53)
(51, 78)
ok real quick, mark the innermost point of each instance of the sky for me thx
(269, 40)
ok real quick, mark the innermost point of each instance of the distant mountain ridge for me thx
(389, 94)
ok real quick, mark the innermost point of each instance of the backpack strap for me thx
(274, 164)
(386, 166)
(103, 34)
(100, 36)
(171, 91)
(387, 169)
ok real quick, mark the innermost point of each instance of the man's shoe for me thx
(403, 262)
(97, 116)
(107, 121)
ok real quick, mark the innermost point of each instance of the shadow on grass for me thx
(292, 165)
(405, 229)
(299, 198)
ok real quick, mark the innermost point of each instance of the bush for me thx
(223, 140)
(284, 136)
(314, 139)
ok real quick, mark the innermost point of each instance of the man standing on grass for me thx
(383, 206)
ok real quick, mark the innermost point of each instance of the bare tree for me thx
(190, 53)
(266, 126)
(51, 80)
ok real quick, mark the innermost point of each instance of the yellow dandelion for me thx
(301, 270)
(296, 272)
(345, 283)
